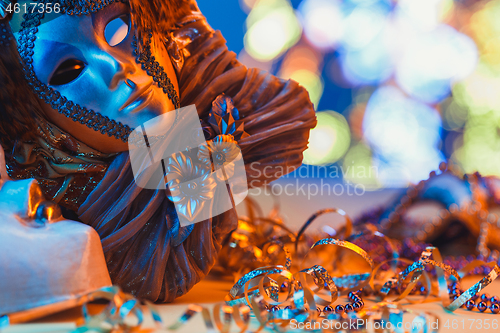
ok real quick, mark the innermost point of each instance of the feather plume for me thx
(159, 15)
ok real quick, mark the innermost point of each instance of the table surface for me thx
(213, 290)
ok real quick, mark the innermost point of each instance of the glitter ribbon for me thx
(474, 290)
(275, 285)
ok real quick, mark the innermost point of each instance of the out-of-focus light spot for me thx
(329, 140)
(484, 23)
(362, 26)
(454, 115)
(364, 2)
(481, 144)
(490, 53)
(369, 65)
(359, 169)
(247, 5)
(302, 64)
(362, 95)
(405, 136)
(485, 28)
(445, 8)
(301, 57)
(272, 29)
(322, 21)
(424, 14)
(433, 61)
(356, 115)
(479, 92)
(309, 80)
(266, 39)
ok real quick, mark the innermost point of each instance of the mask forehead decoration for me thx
(84, 7)
(92, 119)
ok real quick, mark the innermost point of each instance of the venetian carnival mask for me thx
(87, 70)
(97, 85)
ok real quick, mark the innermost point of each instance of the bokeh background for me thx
(398, 85)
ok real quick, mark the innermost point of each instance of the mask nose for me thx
(120, 71)
(130, 72)
(117, 65)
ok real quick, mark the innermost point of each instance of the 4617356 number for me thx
(471, 324)
(34, 7)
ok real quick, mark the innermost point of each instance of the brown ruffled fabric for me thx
(147, 253)
(277, 113)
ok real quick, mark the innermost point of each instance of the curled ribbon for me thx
(274, 285)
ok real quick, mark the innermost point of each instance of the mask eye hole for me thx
(117, 30)
(66, 72)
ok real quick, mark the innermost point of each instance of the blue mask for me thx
(84, 65)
